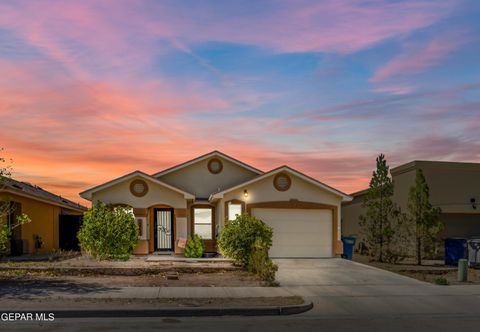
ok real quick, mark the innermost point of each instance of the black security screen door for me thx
(163, 229)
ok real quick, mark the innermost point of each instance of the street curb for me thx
(177, 312)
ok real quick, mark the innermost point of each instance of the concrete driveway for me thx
(335, 271)
(338, 287)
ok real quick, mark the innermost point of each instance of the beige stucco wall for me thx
(351, 212)
(197, 179)
(461, 225)
(157, 194)
(264, 191)
(452, 185)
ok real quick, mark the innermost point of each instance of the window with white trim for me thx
(142, 228)
(234, 209)
(202, 226)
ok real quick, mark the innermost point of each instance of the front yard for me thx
(135, 272)
(432, 271)
(40, 279)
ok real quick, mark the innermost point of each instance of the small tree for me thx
(423, 216)
(247, 240)
(108, 232)
(238, 237)
(6, 209)
(382, 216)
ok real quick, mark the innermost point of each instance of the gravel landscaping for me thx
(431, 271)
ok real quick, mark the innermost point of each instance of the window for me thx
(215, 165)
(142, 228)
(138, 188)
(282, 182)
(202, 226)
(14, 211)
(234, 209)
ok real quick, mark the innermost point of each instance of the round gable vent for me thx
(138, 188)
(215, 166)
(282, 182)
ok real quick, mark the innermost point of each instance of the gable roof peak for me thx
(206, 156)
(87, 194)
(344, 196)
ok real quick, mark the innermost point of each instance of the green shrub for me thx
(441, 281)
(108, 233)
(194, 247)
(260, 264)
(238, 237)
(247, 240)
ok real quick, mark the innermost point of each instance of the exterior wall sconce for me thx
(245, 193)
(474, 203)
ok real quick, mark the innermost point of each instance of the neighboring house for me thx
(200, 195)
(454, 187)
(54, 219)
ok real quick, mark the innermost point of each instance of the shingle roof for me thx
(33, 191)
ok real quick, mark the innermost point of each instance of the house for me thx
(454, 187)
(54, 219)
(200, 195)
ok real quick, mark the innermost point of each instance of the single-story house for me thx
(55, 220)
(454, 187)
(199, 196)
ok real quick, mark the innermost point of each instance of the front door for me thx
(163, 229)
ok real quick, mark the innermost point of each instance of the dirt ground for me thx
(429, 272)
(135, 262)
(199, 279)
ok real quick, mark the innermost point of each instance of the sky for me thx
(91, 90)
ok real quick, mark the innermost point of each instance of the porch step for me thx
(163, 253)
(173, 258)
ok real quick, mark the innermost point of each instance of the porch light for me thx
(245, 193)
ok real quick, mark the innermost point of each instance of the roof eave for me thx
(87, 194)
(45, 200)
(344, 197)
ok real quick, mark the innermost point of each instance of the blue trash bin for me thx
(455, 249)
(348, 244)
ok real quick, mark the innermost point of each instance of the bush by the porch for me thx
(247, 240)
(194, 247)
(260, 264)
(108, 233)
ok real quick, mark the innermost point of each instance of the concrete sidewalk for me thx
(159, 302)
(154, 292)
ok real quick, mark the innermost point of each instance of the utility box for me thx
(474, 252)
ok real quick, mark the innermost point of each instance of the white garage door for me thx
(298, 232)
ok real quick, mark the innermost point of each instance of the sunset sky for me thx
(91, 90)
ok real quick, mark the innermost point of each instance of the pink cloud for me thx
(418, 58)
(396, 89)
